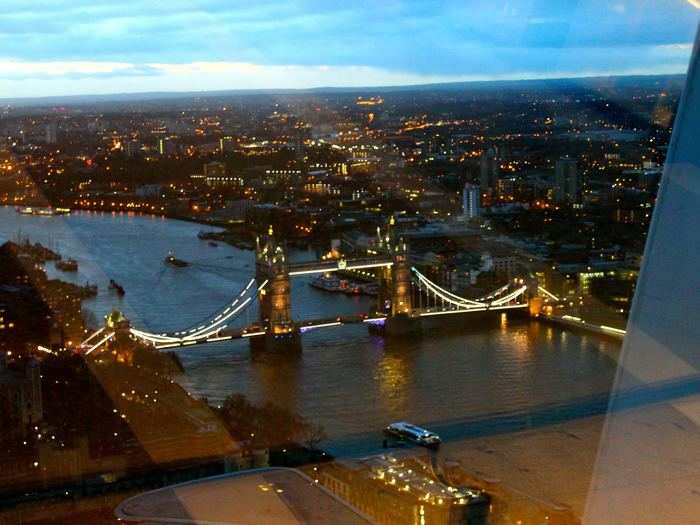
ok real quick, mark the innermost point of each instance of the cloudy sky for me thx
(62, 47)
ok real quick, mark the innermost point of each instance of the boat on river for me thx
(413, 433)
(67, 265)
(114, 285)
(336, 285)
(174, 261)
(44, 212)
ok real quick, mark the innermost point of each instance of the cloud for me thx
(52, 78)
(411, 39)
(17, 69)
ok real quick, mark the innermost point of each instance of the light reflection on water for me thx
(393, 376)
(346, 379)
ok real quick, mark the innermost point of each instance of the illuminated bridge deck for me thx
(338, 264)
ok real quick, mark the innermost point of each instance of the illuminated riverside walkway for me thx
(405, 297)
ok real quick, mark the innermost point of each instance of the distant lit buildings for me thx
(148, 190)
(214, 169)
(505, 264)
(277, 176)
(506, 186)
(227, 144)
(471, 197)
(567, 181)
(7, 164)
(370, 101)
(132, 148)
(225, 180)
(234, 210)
(321, 188)
(215, 175)
(167, 146)
(5, 324)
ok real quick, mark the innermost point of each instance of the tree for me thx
(314, 435)
(267, 426)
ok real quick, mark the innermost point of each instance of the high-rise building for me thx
(51, 133)
(489, 170)
(567, 181)
(299, 144)
(471, 197)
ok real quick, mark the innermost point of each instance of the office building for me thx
(489, 170)
(567, 181)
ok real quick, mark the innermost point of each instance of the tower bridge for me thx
(406, 296)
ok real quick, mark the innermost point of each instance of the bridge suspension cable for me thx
(444, 294)
(207, 330)
(510, 297)
(99, 343)
(495, 298)
(549, 294)
(495, 293)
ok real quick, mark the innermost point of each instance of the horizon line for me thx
(320, 89)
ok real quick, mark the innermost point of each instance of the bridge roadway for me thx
(334, 265)
(256, 330)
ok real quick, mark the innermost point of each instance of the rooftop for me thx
(273, 495)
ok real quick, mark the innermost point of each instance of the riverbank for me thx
(578, 324)
(233, 234)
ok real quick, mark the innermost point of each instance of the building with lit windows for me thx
(471, 197)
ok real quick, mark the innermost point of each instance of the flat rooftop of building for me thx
(273, 495)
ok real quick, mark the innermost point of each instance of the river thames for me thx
(349, 381)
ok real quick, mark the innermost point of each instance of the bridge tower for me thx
(401, 296)
(121, 345)
(274, 298)
(534, 298)
(396, 294)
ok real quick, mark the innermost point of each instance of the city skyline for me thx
(94, 48)
(391, 262)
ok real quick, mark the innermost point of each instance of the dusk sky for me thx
(62, 47)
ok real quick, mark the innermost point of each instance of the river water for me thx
(351, 382)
